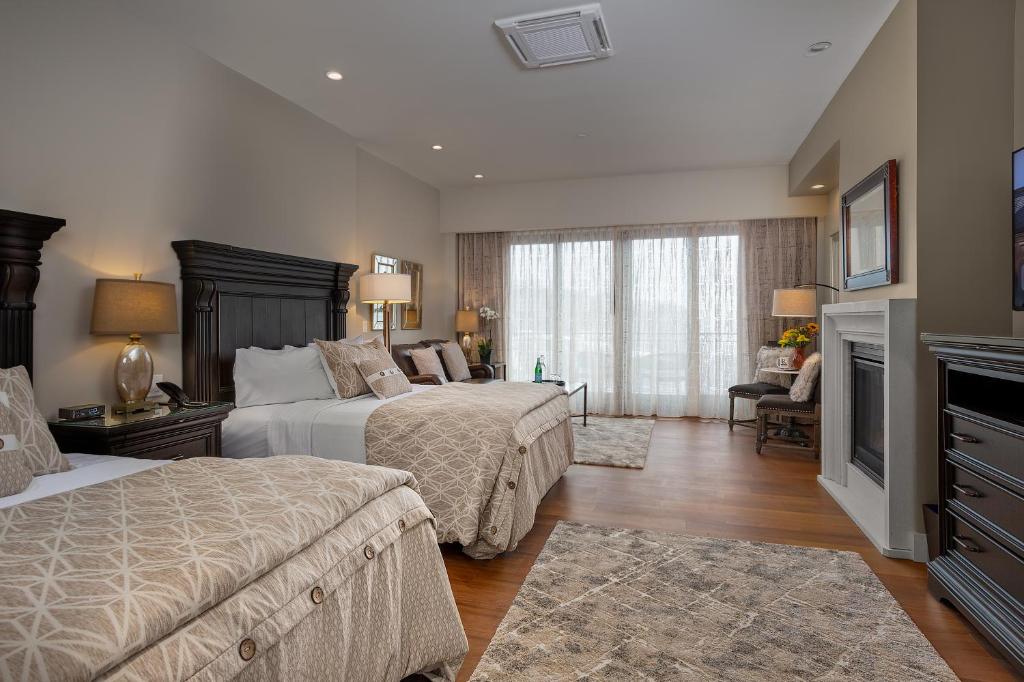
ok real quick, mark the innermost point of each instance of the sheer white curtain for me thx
(650, 317)
(562, 305)
(681, 319)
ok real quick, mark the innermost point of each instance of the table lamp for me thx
(467, 323)
(386, 289)
(134, 307)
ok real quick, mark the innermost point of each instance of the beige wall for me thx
(933, 91)
(137, 140)
(695, 196)
(873, 118)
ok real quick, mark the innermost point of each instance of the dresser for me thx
(980, 566)
(163, 433)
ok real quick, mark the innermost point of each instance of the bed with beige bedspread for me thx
(484, 454)
(207, 569)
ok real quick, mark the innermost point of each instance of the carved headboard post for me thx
(235, 298)
(21, 240)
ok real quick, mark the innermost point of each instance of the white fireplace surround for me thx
(885, 514)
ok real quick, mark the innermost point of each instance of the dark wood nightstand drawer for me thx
(1000, 565)
(184, 446)
(997, 505)
(999, 449)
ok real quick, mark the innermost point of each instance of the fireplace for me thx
(867, 403)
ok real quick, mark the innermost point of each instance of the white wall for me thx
(137, 140)
(693, 196)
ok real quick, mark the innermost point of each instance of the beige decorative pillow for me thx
(768, 358)
(806, 381)
(427, 362)
(14, 472)
(340, 360)
(384, 377)
(37, 444)
(455, 361)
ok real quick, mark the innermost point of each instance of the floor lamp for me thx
(385, 289)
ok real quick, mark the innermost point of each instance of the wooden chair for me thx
(754, 391)
(789, 418)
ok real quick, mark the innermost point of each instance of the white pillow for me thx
(269, 377)
(427, 361)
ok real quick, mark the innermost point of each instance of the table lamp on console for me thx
(385, 289)
(467, 323)
(134, 307)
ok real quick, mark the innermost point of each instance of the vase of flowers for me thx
(799, 338)
(485, 344)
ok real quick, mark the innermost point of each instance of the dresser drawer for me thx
(999, 506)
(1002, 567)
(998, 449)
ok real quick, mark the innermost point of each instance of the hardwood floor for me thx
(702, 479)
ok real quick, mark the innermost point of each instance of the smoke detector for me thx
(563, 36)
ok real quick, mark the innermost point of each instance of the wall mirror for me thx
(870, 230)
(387, 265)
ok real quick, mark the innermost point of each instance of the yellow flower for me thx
(813, 327)
(803, 339)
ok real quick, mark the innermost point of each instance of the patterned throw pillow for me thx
(455, 361)
(40, 450)
(768, 358)
(427, 362)
(340, 359)
(384, 377)
(14, 472)
(805, 382)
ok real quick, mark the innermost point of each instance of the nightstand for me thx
(164, 433)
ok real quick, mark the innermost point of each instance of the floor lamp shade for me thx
(385, 289)
(134, 307)
(794, 303)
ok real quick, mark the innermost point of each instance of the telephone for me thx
(177, 396)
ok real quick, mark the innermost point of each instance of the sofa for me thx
(401, 352)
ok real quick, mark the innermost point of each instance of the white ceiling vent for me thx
(562, 36)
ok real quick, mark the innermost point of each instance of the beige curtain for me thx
(774, 254)
(482, 281)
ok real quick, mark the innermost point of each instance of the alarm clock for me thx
(80, 412)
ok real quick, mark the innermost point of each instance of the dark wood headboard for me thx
(21, 241)
(235, 298)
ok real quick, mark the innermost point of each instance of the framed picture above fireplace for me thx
(870, 230)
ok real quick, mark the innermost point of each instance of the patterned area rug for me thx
(608, 604)
(613, 441)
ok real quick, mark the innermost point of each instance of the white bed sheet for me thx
(85, 470)
(332, 429)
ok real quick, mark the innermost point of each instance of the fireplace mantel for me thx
(885, 514)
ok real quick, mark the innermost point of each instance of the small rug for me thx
(612, 441)
(610, 604)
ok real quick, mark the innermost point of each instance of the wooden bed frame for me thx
(21, 242)
(235, 298)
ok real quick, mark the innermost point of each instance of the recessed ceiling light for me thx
(817, 48)
(581, 134)
(334, 75)
(436, 147)
(479, 176)
(817, 186)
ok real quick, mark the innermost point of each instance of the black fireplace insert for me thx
(868, 402)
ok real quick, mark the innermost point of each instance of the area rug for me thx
(613, 441)
(608, 604)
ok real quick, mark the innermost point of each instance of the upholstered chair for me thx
(793, 420)
(766, 358)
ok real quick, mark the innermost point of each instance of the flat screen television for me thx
(1018, 229)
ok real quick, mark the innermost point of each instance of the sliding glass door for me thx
(649, 317)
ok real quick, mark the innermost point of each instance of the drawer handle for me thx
(966, 490)
(964, 437)
(967, 543)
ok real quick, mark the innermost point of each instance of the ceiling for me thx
(693, 84)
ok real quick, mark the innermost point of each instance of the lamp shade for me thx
(794, 303)
(134, 306)
(467, 321)
(385, 287)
